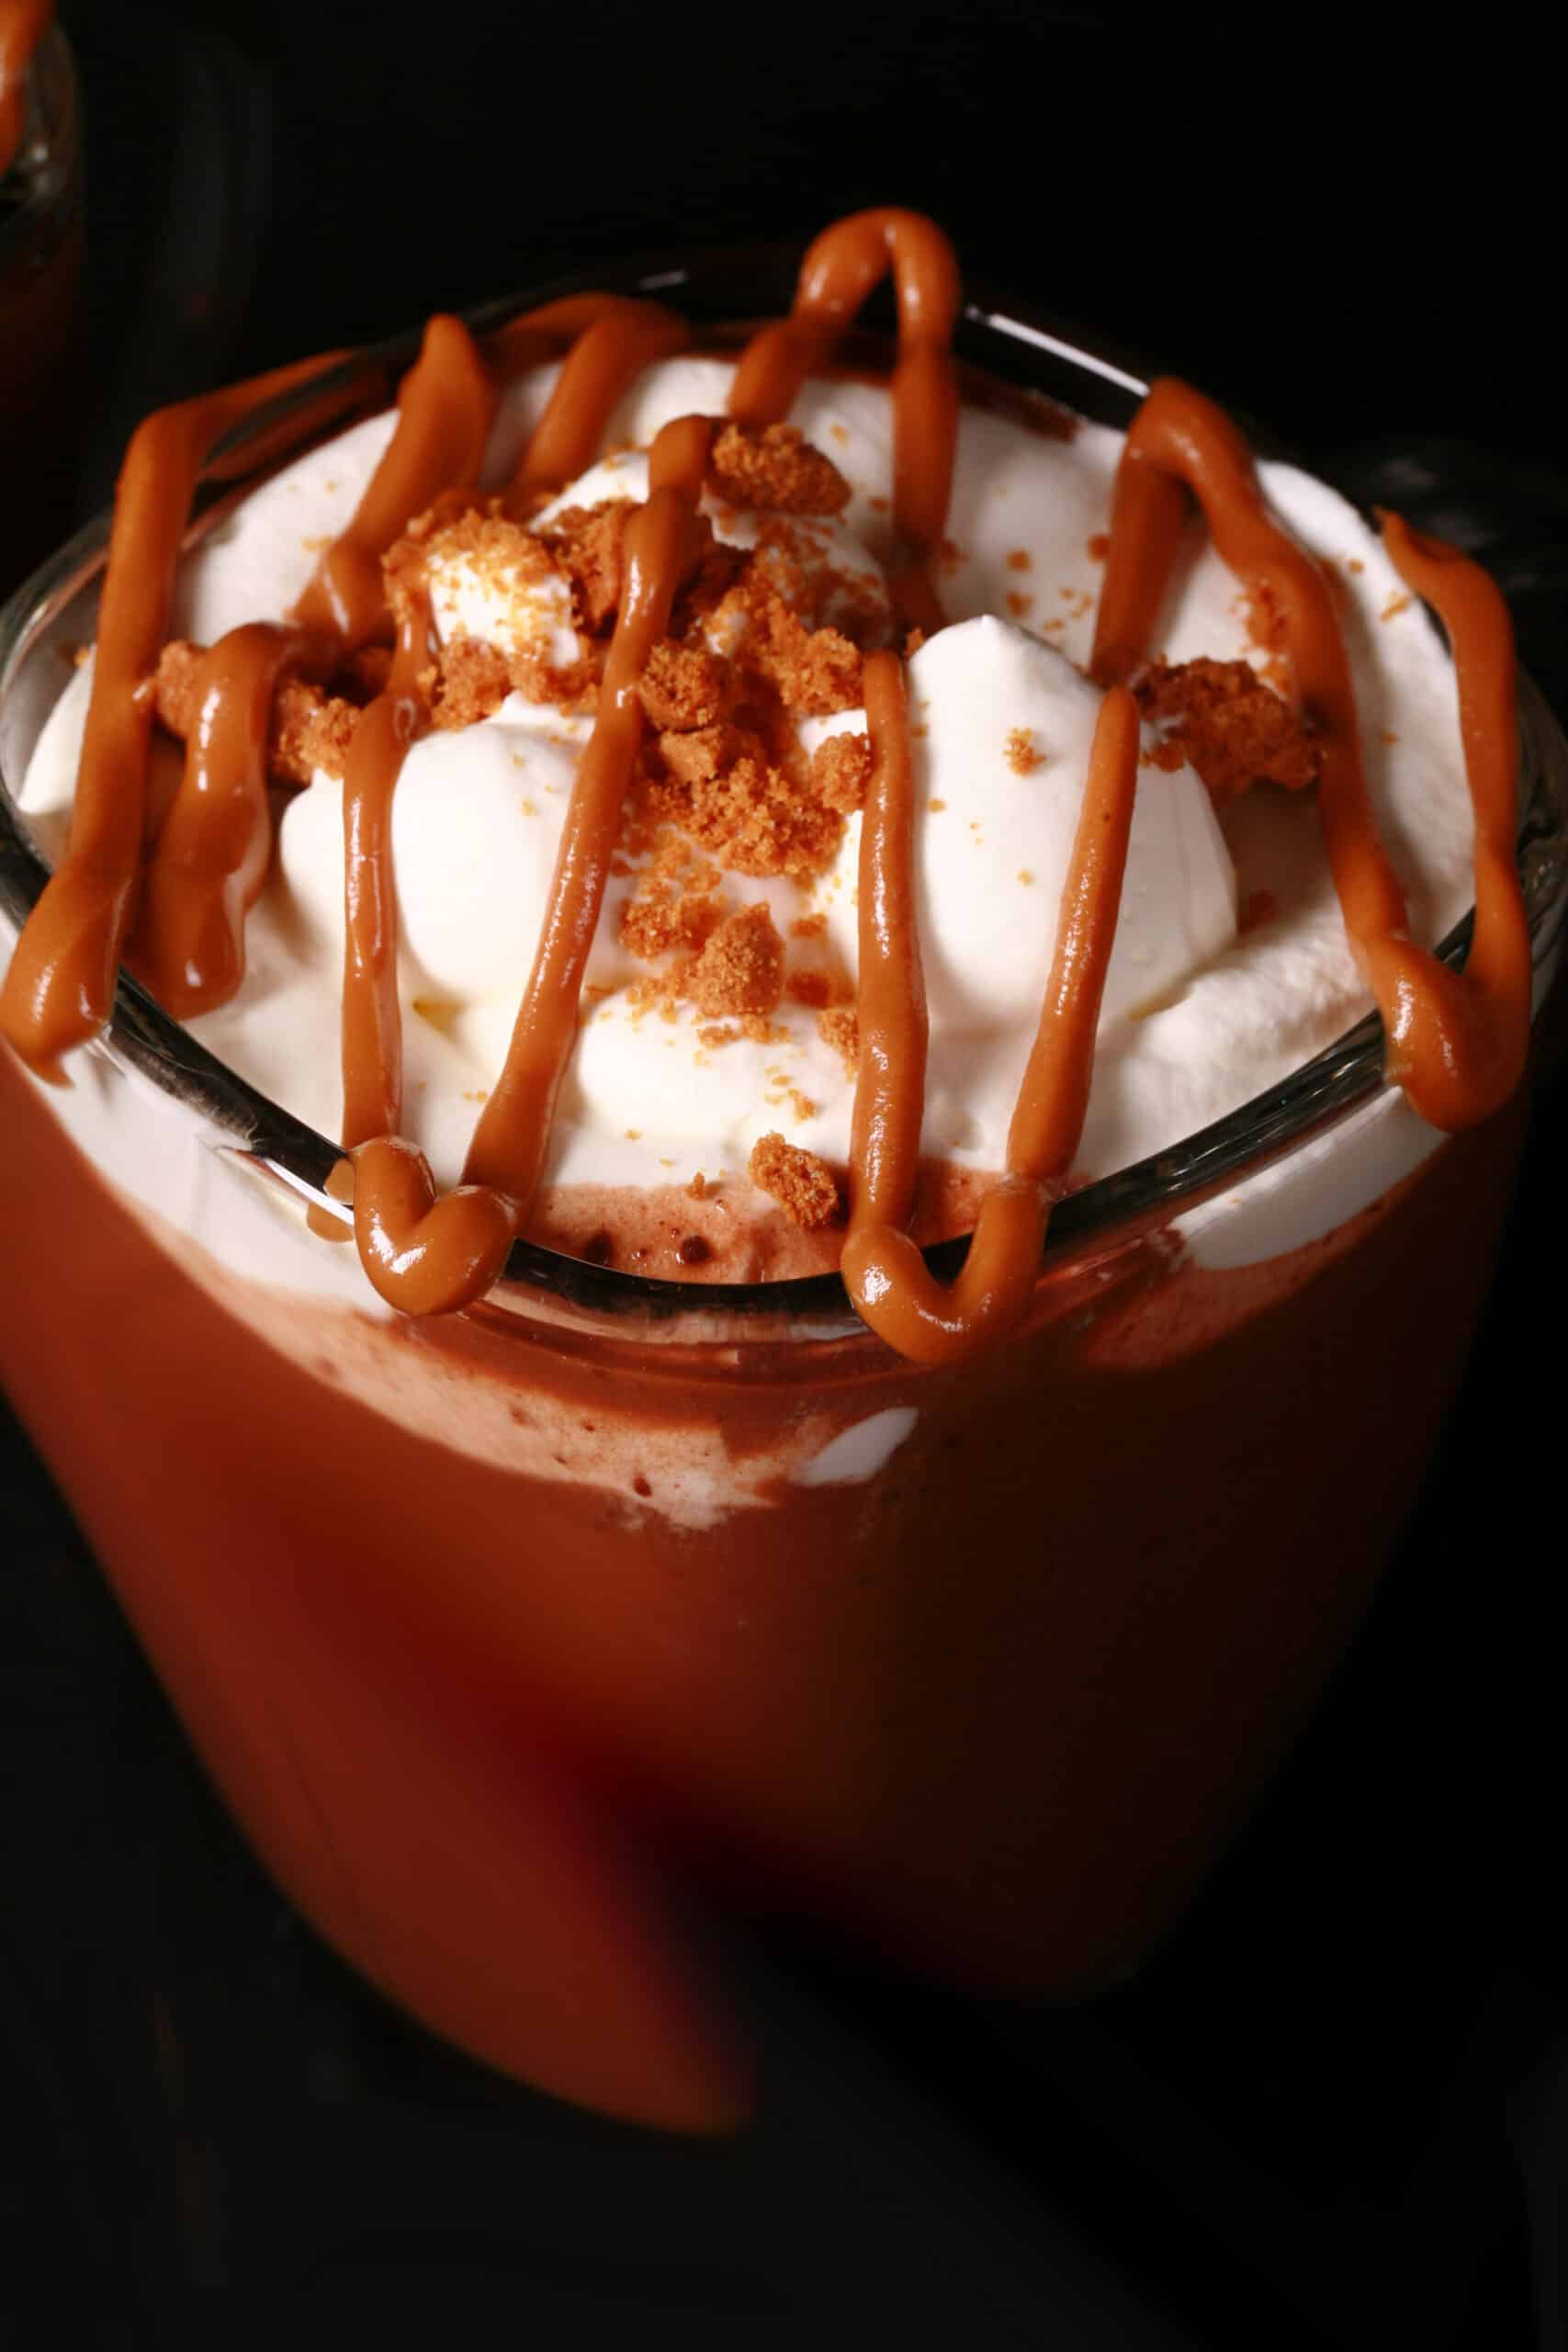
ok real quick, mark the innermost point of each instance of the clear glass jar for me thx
(501, 1634)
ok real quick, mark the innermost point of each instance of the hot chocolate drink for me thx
(704, 826)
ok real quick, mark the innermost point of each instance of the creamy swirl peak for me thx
(716, 674)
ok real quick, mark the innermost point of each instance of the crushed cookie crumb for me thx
(838, 1026)
(816, 987)
(1098, 546)
(722, 788)
(699, 1186)
(1266, 628)
(682, 687)
(472, 680)
(805, 1186)
(308, 729)
(1020, 752)
(841, 770)
(589, 543)
(1223, 721)
(515, 568)
(815, 672)
(673, 907)
(775, 470)
(1019, 560)
(1398, 603)
(740, 968)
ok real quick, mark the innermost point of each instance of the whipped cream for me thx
(1196, 1020)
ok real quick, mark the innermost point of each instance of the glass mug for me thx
(504, 1634)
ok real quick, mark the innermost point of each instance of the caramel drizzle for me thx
(1457, 1041)
(446, 407)
(372, 1035)
(610, 351)
(893, 1289)
(207, 864)
(840, 271)
(60, 987)
(23, 24)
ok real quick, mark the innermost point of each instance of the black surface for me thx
(1344, 226)
(1332, 2111)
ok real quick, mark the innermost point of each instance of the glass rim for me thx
(1084, 372)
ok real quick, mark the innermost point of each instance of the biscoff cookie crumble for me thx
(740, 968)
(813, 987)
(805, 1186)
(308, 729)
(683, 687)
(841, 770)
(838, 1026)
(514, 568)
(775, 470)
(589, 543)
(1020, 752)
(1223, 721)
(472, 680)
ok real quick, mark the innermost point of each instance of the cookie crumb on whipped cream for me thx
(804, 1185)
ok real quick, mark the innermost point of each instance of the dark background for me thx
(1349, 228)
(1331, 2112)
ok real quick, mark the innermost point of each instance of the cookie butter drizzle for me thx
(1456, 1044)
(23, 24)
(886, 1277)
(60, 984)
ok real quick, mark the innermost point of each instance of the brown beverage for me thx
(579, 1539)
